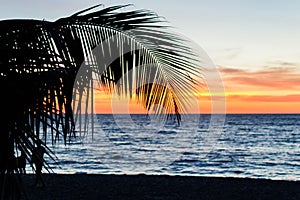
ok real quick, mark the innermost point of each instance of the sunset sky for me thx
(254, 44)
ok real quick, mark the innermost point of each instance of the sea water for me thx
(238, 145)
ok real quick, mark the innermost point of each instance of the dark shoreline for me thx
(96, 186)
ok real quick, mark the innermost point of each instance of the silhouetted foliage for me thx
(40, 61)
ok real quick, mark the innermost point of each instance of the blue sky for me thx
(255, 43)
(235, 33)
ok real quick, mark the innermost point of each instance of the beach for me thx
(96, 186)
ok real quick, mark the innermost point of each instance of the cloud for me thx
(284, 63)
(231, 53)
(280, 78)
(230, 70)
(267, 98)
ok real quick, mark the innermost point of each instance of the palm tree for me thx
(46, 68)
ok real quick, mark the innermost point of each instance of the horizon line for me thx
(203, 113)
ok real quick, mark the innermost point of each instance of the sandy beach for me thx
(92, 186)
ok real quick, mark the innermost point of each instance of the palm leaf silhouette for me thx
(47, 69)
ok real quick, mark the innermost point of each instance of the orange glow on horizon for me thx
(270, 90)
(234, 104)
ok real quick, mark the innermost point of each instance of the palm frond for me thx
(137, 48)
(49, 66)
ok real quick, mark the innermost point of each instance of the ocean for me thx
(236, 145)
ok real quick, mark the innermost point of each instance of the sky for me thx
(254, 44)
